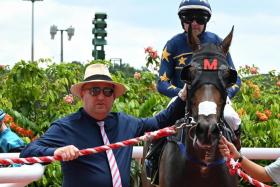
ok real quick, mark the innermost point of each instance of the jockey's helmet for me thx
(199, 7)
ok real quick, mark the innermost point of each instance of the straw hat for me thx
(98, 73)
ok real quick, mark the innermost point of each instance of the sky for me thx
(132, 26)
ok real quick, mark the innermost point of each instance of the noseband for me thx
(187, 126)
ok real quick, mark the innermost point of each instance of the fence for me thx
(23, 175)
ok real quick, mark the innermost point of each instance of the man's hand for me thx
(67, 153)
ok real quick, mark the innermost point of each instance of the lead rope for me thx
(47, 159)
(234, 168)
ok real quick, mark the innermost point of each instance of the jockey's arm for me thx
(166, 76)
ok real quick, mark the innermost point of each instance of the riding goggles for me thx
(107, 91)
(189, 18)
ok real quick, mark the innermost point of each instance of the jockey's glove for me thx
(183, 93)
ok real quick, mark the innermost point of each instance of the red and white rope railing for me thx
(47, 159)
(234, 168)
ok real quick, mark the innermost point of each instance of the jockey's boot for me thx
(152, 159)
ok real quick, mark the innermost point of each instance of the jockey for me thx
(176, 54)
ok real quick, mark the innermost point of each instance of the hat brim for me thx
(119, 89)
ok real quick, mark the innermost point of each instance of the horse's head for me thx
(207, 77)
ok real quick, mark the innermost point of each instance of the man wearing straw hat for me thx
(94, 125)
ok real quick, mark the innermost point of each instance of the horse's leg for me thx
(145, 182)
(172, 165)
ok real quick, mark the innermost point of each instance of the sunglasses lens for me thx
(189, 18)
(108, 92)
(95, 91)
(201, 19)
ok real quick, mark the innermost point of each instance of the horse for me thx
(191, 158)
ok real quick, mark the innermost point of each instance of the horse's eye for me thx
(188, 74)
(229, 77)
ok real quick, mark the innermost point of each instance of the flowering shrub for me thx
(152, 59)
(256, 93)
(9, 120)
(151, 54)
(248, 70)
(258, 106)
(37, 94)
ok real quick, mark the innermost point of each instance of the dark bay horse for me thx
(191, 158)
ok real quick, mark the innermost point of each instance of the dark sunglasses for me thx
(107, 91)
(189, 18)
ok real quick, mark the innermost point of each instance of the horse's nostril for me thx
(206, 133)
(214, 130)
(202, 133)
(199, 129)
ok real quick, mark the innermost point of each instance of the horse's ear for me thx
(227, 41)
(187, 74)
(230, 77)
(193, 40)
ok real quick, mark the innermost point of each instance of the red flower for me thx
(267, 112)
(137, 75)
(148, 49)
(13, 125)
(152, 57)
(68, 99)
(278, 83)
(151, 52)
(262, 116)
(253, 70)
(8, 119)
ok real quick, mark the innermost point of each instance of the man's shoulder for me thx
(69, 118)
(177, 41)
(178, 37)
(122, 116)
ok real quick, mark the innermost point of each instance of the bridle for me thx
(203, 71)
